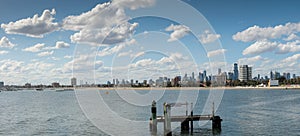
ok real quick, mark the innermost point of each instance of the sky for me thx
(96, 41)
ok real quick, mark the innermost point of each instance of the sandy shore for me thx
(196, 88)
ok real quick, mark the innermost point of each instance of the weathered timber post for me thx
(216, 121)
(167, 122)
(185, 123)
(153, 123)
(216, 124)
(192, 124)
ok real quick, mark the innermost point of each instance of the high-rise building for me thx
(272, 77)
(230, 76)
(193, 75)
(219, 71)
(204, 76)
(235, 71)
(245, 73)
(294, 76)
(1, 84)
(73, 81)
(277, 75)
(288, 76)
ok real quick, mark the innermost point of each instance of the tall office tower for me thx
(219, 71)
(272, 75)
(245, 73)
(73, 81)
(235, 71)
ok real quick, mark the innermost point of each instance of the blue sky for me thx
(95, 41)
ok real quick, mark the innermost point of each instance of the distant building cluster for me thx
(239, 76)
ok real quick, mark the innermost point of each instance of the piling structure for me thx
(167, 120)
(153, 120)
(186, 121)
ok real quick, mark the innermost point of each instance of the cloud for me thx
(36, 72)
(216, 52)
(123, 54)
(289, 47)
(256, 33)
(37, 26)
(41, 46)
(61, 44)
(36, 48)
(251, 60)
(292, 37)
(104, 24)
(260, 47)
(3, 52)
(133, 4)
(11, 65)
(5, 43)
(137, 54)
(208, 37)
(289, 62)
(101, 16)
(106, 35)
(45, 53)
(111, 50)
(167, 61)
(58, 45)
(68, 57)
(294, 58)
(82, 63)
(178, 31)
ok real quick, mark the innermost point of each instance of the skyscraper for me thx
(272, 75)
(73, 81)
(245, 73)
(204, 76)
(288, 76)
(219, 71)
(235, 71)
(193, 76)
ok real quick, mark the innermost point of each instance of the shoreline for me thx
(189, 88)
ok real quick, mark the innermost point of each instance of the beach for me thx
(193, 88)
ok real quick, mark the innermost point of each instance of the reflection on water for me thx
(244, 112)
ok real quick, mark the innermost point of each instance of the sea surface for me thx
(244, 112)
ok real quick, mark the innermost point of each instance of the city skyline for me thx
(241, 73)
(55, 41)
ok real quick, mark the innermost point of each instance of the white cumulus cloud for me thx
(208, 37)
(294, 58)
(37, 26)
(106, 35)
(133, 4)
(36, 48)
(216, 52)
(58, 45)
(5, 43)
(61, 44)
(106, 23)
(68, 57)
(178, 31)
(260, 47)
(3, 52)
(292, 37)
(256, 33)
(288, 47)
(45, 53)
(111, 50)
(289, 62)
(251, 60)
